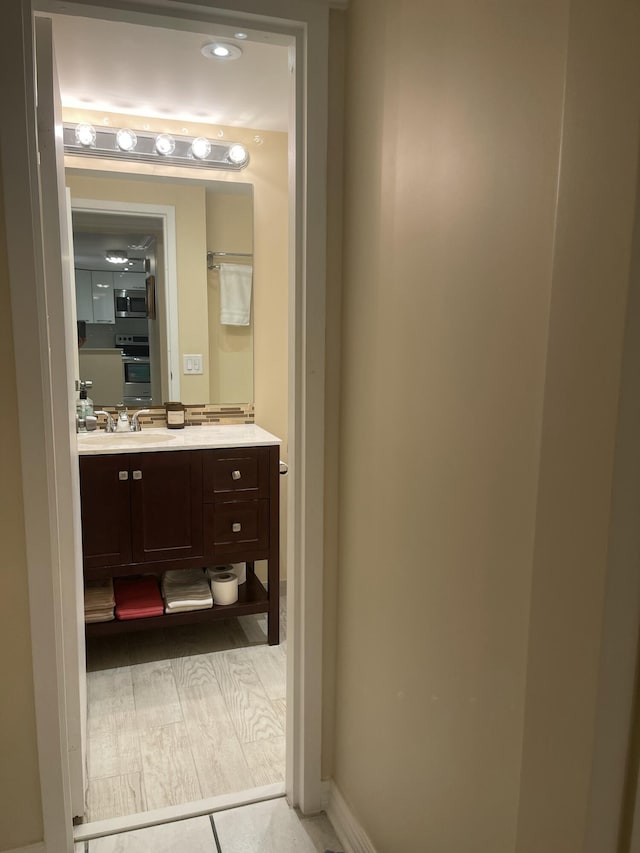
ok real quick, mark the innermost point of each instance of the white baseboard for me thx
(169, 814)
(351, 834)
(32, 848)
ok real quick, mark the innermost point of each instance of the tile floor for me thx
(183, 714)
(268, 827)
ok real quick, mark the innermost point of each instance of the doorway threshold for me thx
(222, 802)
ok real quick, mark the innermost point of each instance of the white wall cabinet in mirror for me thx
(102, 297)
(94, 296)
(84, 300)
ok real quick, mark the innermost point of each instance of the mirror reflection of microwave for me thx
(136, 303)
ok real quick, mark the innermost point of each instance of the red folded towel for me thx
(137, 598)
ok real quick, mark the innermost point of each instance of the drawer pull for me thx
(123, 475)
(235, 475)
(236, 527)
(137, 475)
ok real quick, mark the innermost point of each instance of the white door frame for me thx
(166, 214)
(307, 22)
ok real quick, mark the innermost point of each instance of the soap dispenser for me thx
(84, 406)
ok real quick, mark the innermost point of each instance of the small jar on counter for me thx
(175, 415)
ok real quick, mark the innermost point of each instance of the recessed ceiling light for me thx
(165, 144)
(116, 256)
(221, 50)
(240, 35)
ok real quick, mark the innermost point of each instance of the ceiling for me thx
(95, 233)
(152, 71)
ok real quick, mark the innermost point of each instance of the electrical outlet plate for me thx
(192, 364)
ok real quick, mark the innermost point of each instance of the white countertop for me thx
(99, 442)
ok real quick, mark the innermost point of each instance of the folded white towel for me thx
(186, 589)
(235, 294)
(191, 605)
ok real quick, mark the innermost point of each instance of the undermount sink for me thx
(124, 437)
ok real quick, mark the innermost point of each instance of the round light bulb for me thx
(221, 50)
(85, 134)
(126, 140)
(201, 148)
(165, 144)
(238, 154)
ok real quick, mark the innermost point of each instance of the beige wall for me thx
(453, 120)
(20, 809)
(335, 176)
(575, 552)
(480, 555)
(229, 229)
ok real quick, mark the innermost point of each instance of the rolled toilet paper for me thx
(224, 588)
(218, 570)
(240, 570)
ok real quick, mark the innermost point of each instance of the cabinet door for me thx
(84, 297)
(102, 295)
(130, 280)
(106, 513)
(166, 505)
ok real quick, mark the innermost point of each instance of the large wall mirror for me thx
(164, 288)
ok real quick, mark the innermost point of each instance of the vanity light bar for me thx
(150, 147)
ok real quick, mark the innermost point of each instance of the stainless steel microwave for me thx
(136, 303)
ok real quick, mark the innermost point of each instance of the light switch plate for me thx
(192, 363)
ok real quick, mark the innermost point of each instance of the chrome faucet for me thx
(135, 422)
(110, 426)
(123, 423)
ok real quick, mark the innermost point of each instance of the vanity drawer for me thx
(239, 527)
(236, 474)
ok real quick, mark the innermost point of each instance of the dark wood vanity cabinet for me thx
(148, 512)
(140, 508)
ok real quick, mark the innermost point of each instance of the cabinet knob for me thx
(123, 475)
(236, 527)
(137, 475)
(235, 475)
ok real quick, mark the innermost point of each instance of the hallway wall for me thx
(448, 259)
(584, 540)
(20, 811)
(490, 191)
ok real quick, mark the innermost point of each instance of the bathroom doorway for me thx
(304, 777)
(179, 715)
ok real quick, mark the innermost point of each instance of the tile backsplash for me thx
(198, 414)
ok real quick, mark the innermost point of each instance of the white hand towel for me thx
(235, 294)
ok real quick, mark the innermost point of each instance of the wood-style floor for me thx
(182, 714)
